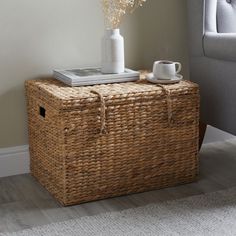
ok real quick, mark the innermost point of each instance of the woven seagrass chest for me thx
(95, 142)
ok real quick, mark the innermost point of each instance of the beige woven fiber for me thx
(95, 142)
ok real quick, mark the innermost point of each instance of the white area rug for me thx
(210, 214)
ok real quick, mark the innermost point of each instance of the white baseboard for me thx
(14, 161)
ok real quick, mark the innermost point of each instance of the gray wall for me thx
(164, 32)
(38, 36)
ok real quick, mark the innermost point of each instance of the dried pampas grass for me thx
(115, 10)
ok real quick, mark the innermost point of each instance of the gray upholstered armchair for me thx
(212, 32)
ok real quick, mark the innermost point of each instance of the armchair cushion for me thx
(220, 46)
(226, 16)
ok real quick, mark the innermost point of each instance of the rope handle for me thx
(103, 108)
(169, 102)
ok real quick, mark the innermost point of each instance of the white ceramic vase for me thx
(112, 52)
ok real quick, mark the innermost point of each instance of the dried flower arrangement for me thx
(115, 10)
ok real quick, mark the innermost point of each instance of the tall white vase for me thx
(112, 52)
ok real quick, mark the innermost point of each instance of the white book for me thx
(92, 76)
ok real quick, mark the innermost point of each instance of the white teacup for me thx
(166, 70)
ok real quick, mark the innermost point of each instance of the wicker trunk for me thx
(95, 142)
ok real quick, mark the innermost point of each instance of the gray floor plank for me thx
(20, 215)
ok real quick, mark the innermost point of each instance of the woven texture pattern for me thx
(94, 142)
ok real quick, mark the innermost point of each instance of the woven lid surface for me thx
(62, 91)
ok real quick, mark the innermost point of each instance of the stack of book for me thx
(92, 76)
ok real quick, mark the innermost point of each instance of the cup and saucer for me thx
(165, 72)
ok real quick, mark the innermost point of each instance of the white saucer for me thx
(152, 79)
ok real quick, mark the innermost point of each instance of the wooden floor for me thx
(25, 204)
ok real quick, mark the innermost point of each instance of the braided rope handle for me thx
(169, 102)
(103, 108)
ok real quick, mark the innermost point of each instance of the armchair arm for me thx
(220, 46)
